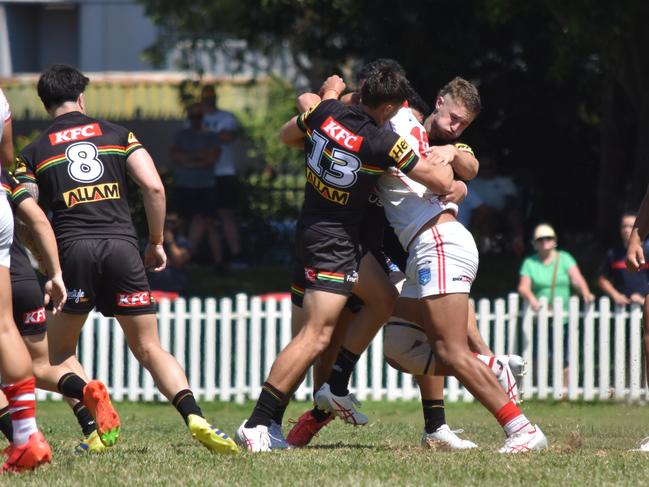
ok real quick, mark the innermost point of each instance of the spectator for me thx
(193, 154)
(549, 273)
(178, 250)
(621, 285)
(498, 220)
(225, 125)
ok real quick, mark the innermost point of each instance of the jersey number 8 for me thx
(84, 165)
(343, 168)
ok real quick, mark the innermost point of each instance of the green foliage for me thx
(262, 129)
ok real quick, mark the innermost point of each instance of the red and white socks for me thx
(22, 408)
(512, 419)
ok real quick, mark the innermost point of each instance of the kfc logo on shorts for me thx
(35, 317)
(310, 274)
(76, 133)
(141, 298)
(342, 135)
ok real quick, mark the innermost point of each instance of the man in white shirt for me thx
(226, 126)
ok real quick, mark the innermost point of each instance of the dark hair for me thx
(377, 65)
(416, 102)
(60, 83)
(464, 92)
(385, 86)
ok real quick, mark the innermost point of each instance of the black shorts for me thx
(191, 202)
(107, 274)
(325, 263)
(27, 302)
(227, 192)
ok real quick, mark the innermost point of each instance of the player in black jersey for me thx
(28, 299)
(345, 152)
(80, 165)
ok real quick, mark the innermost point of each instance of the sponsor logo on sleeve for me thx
(74, 134)
(91, 194)
(140, 298)
(399, 149)
(132, 138)
(341, 134)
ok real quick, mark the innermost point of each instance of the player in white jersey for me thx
(6, 133)
(442, 264)
(29, 448)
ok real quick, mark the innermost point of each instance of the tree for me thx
(564, 83)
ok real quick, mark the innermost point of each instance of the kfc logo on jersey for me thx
(340, 134)
(140, 298)
(35, 317)
(75, 133)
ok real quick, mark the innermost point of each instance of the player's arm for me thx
(436, 176)
(460, 157)
(7, 145)
(141, 168)
(33, 217)
(292, 135)
(306, 101)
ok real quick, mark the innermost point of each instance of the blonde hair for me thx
(464, 92)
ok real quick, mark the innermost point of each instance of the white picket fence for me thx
(228, 346)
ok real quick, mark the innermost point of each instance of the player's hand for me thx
(458, 192)
(634, 253)
(535, 305)
(333, 83)
(155, 258)
(440, 155)
(56, 293)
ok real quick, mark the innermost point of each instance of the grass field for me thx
(589, 444)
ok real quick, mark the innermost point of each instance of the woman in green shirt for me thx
(550, 272)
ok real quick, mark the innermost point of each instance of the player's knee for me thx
(383, 304)
(144, 352)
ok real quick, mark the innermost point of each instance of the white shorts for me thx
(441, 260)
(6, 230)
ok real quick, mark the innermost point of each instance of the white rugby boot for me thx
(530, 438)
(342, 406)
(254, 439)
(643, 447)
(511, 377)
(444, 438)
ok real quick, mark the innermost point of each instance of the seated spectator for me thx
(622, 286)
(193, 154)
(178, 250)
(497, 222)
